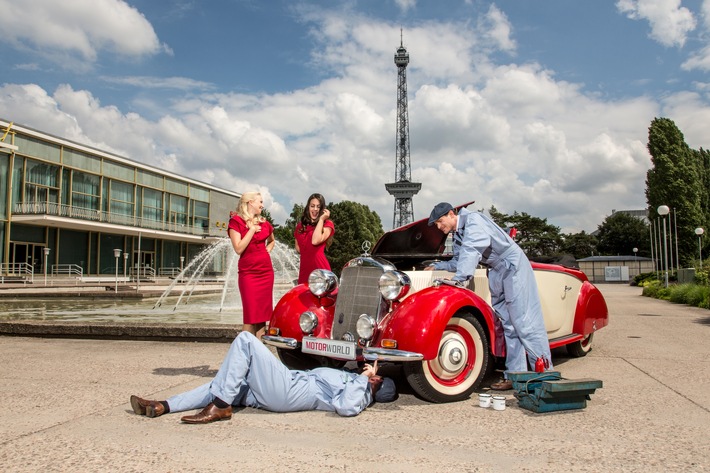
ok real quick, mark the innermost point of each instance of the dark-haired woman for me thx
(313, 234)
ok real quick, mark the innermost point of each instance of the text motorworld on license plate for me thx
(330, 348)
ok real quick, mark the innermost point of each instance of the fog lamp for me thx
(308, 322)
(365, 326)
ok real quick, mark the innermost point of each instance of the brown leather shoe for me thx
(143, 407)
(502, 385)
(211, 413)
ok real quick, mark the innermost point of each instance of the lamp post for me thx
(699, 231)
(46, 256)
(635, 250)
(182, 262)
(116, 254)
(125, 264)
(663, 211)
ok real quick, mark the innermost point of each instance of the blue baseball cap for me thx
(387, 391)
(441, 209)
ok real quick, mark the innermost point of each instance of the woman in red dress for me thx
(313, 234)
(252, 239)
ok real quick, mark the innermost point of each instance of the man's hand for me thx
(370, 370)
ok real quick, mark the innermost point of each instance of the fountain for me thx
(218, 263)
(183, 301)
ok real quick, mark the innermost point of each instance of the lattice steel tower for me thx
(402, 189)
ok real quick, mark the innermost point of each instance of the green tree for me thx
(620, 233)
(535, 236)
(580, 245)
(284, 233)
(676, 180)
(354, 223)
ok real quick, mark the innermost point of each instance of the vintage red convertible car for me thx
(385, 306)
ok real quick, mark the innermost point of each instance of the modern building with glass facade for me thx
(68, 208)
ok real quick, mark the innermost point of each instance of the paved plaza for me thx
(65, 408)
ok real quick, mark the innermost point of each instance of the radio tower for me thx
(403, 188)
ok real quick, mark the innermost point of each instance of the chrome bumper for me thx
(369, 353)
(280, 342)
(388, 354)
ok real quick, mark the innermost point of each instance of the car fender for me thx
(418, 322)
(591, 313)
(295, 302)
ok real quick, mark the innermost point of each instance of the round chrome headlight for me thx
(308, 322)
(322, 282)
(394, 285)
(365, 326)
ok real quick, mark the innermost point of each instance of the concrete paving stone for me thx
(66, 409)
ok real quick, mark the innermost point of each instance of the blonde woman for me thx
(253, 239)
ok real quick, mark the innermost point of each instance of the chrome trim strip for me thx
(281, 342)
(388, 354)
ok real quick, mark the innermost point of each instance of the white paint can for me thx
(499, 403)
(484, 400)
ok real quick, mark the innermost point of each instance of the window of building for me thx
(122, 198)
(148, 178)
(176, 187)
(81, 160)
(152, 205)
(41, 182)
(201, 214)
(38, 149)
(86, 190)
(199, 193)
(178, 210)
(119, 171)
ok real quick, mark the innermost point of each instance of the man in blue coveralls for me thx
(478, 239)
(252, 376)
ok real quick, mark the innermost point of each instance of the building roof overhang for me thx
(87, 225)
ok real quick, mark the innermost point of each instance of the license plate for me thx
(330, 348)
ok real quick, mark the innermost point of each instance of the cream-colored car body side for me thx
(558, 294)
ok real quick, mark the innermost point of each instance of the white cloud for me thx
(499, 29)
(670, 23)
(83, 27)
(179, 83)
(509, 135)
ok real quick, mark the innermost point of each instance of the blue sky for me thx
(537, 106)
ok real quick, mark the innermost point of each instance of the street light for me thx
(699, 231)
(663, 211)
(182, 262)
(635, 250)
(46, 255)
(117, 254)
(125, 263)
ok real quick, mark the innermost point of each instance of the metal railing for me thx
(170, 271)
(144, 271)
(61, 210)
(68, 269)
(17, 270)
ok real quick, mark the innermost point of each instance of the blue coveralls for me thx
(514, 294)
(252, 376)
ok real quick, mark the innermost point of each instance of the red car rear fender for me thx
(295, 302)
(591, 313)
(418, 322)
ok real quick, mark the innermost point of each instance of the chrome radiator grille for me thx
(358, 294)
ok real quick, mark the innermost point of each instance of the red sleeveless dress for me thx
(312, 257)
(256, 273)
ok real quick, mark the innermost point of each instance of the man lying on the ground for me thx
(252, 376)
